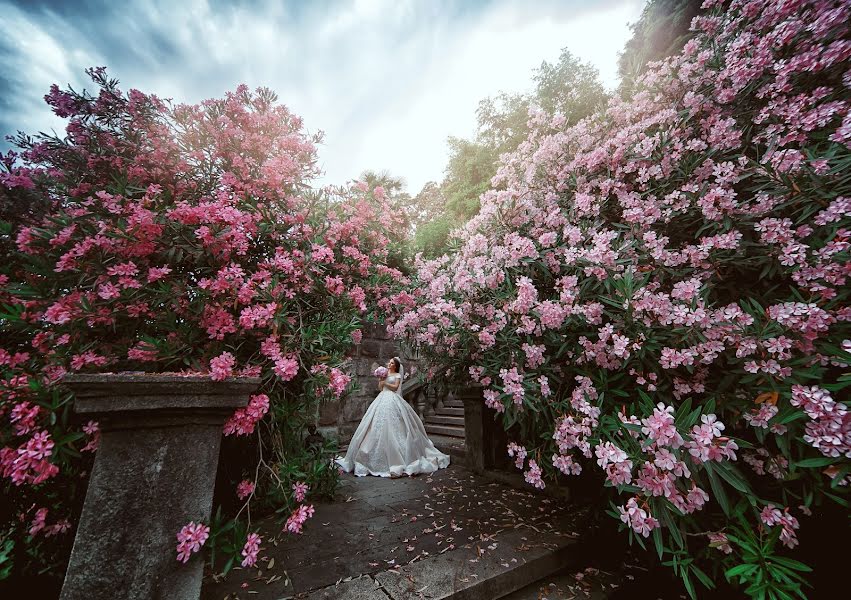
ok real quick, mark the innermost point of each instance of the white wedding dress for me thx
(391, 440)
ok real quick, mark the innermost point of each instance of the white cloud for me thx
(388, 81)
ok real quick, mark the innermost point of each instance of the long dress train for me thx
(391, 440)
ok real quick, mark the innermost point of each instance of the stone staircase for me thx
(448, 421)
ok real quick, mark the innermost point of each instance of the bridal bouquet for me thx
(380, 372)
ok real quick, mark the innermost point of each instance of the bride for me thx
(391, 440)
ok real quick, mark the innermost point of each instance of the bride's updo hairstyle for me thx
(397, 362)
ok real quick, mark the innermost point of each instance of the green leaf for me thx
(732, 476)
(718, 489)
(228, 565)
(657, 541)
(703, 578)
(820, 461)
(792, 564)
(738, 570)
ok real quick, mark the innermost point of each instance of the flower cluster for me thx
(176, 238)
(251, 550)
(662, 287)
(243, 421)
(300, 490)
(245, 489)
(296, 520)
(190, 539)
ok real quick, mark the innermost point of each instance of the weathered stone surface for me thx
(364, 368)
(390, 526)
(474, 427)
(362, 588)
(375, 331)
(154, 472)
(329, 412)
(454, 576)
(370, 349)
(485, 439)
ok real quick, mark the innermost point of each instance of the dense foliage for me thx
(657, 296)
(569, 86)
(175, 238)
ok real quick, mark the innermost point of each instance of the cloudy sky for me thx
(386, 80)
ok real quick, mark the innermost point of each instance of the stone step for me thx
(447, 430)
(517, 559)
(452, 446)
(495, 575)
(453, 404)
(455, 412)
(445, 420)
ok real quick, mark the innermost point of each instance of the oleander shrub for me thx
(175, 238)
(658, 295)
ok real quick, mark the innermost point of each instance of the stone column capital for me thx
(142, 400)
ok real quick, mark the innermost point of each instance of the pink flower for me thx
(641, 521)
(251, 550)
(38, 523)
(357, 336)
(660, 427)
(243, 421)
(615, 462)
(286, 368)
(23, 416)
(338, 381)
(719, 540)
(222, 366)
(244, 489)
(190, 539)
(772, 516)
(297, 519)
(157, 273)
(533, 475)
(380, 372)
(300, 490)
(92, 430)
(143, 353)
(761, 416)
(565, 464)
(518, 453)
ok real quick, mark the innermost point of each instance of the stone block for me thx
(154, 472)
(331, 432)
(375, 331)
(354, 408)
(364, 368)
(329, 412)
(370, 348)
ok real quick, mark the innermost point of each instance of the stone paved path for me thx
(378, 526)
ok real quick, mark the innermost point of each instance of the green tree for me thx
(468, 174)
(661, 31)
(568, 86)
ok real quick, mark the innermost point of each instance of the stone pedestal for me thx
(154, 472)
(485, 440)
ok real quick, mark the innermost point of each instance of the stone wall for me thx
(340, 418)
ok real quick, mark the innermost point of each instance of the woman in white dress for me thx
(391, 440)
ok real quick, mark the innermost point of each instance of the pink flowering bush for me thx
(177, 238)
(657, 297)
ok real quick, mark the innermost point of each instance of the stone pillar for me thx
(429, 401)
(485, 439)
(154, 471)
